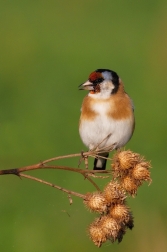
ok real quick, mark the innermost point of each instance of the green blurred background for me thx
(48, 48)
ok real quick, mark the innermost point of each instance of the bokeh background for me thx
(48, 48)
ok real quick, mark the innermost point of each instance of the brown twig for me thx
(52, 185)
(61, 157)
(16, 171)
(43, 165)
(129, 171)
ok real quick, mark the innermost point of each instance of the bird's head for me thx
(102, 81)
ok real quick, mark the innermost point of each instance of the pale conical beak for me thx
(86, 86)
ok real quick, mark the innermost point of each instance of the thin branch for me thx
(42, 165)
(61, 157)
(16, 171)
(95, 176)
(52, 185)
(92, 182)
(99, 156)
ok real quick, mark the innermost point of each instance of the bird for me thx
(107, 115)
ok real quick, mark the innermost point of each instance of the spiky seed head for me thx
(110, 227)
(114, 193)
(96, 202)
(96, 233)
(141, 171)
(130, 185)
(121, 213)
(125, 160)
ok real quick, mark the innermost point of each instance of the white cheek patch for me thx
(106, 88)
(107, 85)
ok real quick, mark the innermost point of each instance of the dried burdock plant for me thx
(96, 233)
(104, 228)
(96, 202)
(124, 160)
(141, 171)
(110, 227)
(121, 213)
(115, 220)
(129, 171)
(114, 193)
(130, 185)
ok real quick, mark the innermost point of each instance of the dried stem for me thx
(16, 171)
(44, 165)
(129, 171)
(62, 157)
(52, 185)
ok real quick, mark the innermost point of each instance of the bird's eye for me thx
(97, 81)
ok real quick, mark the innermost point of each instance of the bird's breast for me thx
(100, 118)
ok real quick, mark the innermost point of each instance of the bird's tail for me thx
(100, 163)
